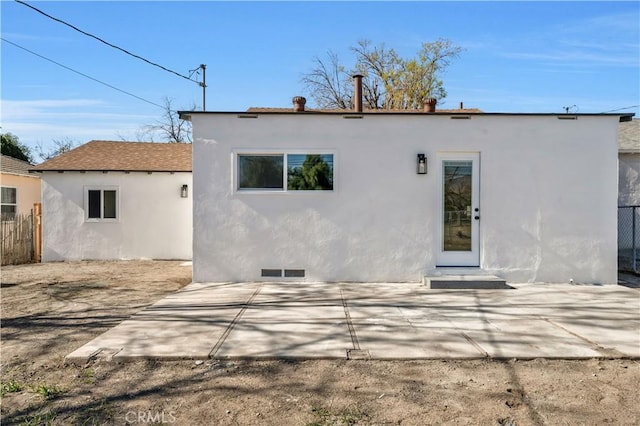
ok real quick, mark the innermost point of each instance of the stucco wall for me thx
(28, 192)
(154, 221)
(547, 197)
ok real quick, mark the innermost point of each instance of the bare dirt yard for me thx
(49, 310)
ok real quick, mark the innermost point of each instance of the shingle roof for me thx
(122, 156)
(380, 111)
(14, 166)
(629, 136)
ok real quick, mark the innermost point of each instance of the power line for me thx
(620, 109)
(82, 74)
(106, 42)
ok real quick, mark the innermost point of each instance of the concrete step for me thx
(471, 282)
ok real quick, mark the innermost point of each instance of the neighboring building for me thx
(117, 200)
(629, 163)
(629, 195)
(341, 196)
(20, 190)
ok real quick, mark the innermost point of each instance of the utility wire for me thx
(106, 42)
(620, 109)
(82, 74)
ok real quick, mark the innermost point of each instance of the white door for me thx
(459, 178)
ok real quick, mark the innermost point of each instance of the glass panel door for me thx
(459, 210)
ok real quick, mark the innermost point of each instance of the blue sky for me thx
(518, 57)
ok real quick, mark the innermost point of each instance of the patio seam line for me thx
(352, 330)
(468, 338)
(604, 351)
(233, 322)
(473, 343)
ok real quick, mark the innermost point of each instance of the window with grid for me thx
(9, 205)
(101, 204)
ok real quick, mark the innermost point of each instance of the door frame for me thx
(459, 258)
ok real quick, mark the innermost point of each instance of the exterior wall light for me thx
(422, 164)
(184, 191)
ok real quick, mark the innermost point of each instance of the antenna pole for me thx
(203, 67)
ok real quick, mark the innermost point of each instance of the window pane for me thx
(260, 171)
(8, 212)
(309, 172)
(94, 204)
(8, 195)
(457, 205)
(109, 204)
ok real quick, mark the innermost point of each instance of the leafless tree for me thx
(60, 146)
(169, 128)
(328, 83)
(390, 81)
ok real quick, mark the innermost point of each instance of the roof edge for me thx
(29, 174)
(627, 116)
(36, 170)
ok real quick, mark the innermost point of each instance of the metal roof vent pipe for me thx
(357, 92)
(299, 103)
(430, 105)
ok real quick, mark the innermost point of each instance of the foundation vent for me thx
(279, 273)
(294, 273)
(271, 273)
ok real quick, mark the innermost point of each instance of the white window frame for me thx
(235, 170)
(11, 204)
(101, 188)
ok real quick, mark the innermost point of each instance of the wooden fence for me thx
(21, 241)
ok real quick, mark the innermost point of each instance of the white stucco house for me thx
(391, 196)
(117, 200)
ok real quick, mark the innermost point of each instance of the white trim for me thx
(100, 188)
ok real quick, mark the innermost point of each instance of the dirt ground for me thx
(49, 310)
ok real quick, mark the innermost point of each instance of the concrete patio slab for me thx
(380, 321)
(257, 338)
(290, 321)
(524, 338)
(399, 338)
(185, 324)
(615, 335)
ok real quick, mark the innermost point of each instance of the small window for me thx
(102, 204)
(304, 172)
(9, 206)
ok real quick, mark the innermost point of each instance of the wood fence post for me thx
(37, 231)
